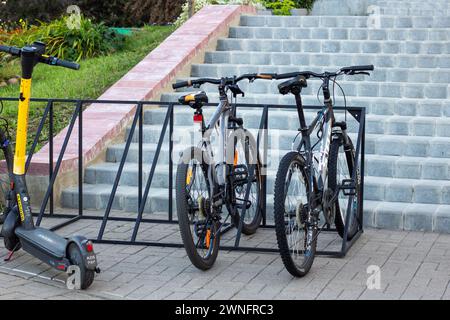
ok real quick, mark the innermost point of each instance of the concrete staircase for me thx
(407, 99)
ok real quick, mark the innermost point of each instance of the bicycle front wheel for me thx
(341, 166)
(198, 227)
(246, 159)
(296, 235)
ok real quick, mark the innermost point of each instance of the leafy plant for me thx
(32, 10)
(153, 11)
(199, 4)
(306, 4)
(119, 13)
(281, 7)
(89, 40)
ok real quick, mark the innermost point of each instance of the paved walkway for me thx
(413, 265)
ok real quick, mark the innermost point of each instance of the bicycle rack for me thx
(358, 114)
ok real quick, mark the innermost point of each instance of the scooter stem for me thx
(28, 61)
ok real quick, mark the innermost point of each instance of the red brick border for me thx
(102, 123)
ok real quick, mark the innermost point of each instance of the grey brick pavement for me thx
(414, 265)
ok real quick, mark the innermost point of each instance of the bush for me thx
(87, 41)
(153, 11)
(120, 13)
(282, 8)
(306, 4)
(279, 7)
(32, 10)
(199, 4)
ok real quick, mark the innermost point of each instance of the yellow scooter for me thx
(18, 227)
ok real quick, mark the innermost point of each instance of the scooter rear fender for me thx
(90, 258)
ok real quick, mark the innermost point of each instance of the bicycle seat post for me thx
(301, 114)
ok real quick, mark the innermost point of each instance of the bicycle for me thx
(206, 182)
(309, 182)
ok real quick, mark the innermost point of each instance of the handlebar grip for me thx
(10, 50)
(182, 84)
(369, 67)
(266, 76)
(286, 75)
(68, 64)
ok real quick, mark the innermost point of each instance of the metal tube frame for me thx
(357, 112)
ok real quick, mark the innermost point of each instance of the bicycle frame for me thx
(220, 118)
(326, 120)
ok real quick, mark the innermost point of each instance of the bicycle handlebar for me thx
(225, 80)
(352, 70)
(359, 68)
(50, 60)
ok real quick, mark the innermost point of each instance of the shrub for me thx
(153, 11)
(307, 4)
(88, 41)
(282, 8)
(32, 10)
(118, 13)
(199, 4)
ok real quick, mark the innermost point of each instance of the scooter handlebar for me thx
(67, 64)
(10, 50)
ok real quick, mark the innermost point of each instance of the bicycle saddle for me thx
(294, 85)
(194, 100)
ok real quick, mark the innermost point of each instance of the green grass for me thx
(95, 76)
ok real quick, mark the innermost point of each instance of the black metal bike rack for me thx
(358, 114)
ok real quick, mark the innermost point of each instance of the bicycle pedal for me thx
(348, 187)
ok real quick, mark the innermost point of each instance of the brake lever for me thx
(196, 86)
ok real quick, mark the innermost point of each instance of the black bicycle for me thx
(208, 180)
(310, 179)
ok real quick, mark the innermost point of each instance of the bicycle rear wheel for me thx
(198, 227)
(341, 166)
(296, 235)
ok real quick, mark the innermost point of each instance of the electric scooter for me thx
(18, 226)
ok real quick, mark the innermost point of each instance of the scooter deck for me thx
(43, 241)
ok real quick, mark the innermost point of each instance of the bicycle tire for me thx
(333, 184)
(183, 209)
(249, 228)
(280, 211)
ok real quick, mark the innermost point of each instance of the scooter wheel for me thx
(75, 257)
(12, 244)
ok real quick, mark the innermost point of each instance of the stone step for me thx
(386, 21)
(375, 105)
(308, 60)
(396, 34)
(377, 214)
(435, 147)
(376, 166)
(375, 124)
(398, 215)
(334, 46)
(414, 12)
(413, 5)
(380, 74)
(97, 196)
(407, 190)
(351, 88)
